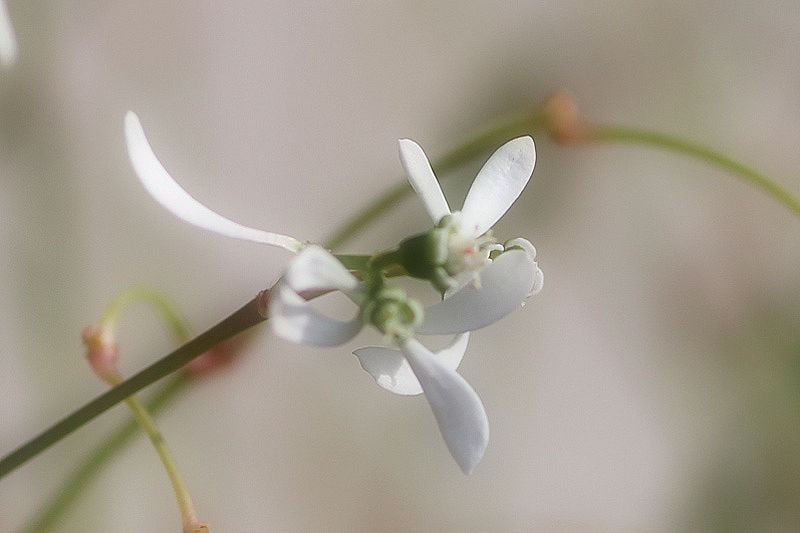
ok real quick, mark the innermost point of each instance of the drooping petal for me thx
(171, 196)
(457, 408)
(8, 39)
(504, 284)
(294, 319)
(317, 269)
(422, 179)
(392, 372)
(498, 184)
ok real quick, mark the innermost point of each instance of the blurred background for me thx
(654, 385)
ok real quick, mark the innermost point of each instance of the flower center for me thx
(466, 253)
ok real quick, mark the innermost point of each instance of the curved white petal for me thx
(525, 244)
(8, 39)
(294, 319)
(457, 408)
(422, 179)
(498, 184)
(392, 372)
(171, 196)
(538, 276)
(504, 284)
(316, 268)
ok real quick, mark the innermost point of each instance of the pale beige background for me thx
(652, 386)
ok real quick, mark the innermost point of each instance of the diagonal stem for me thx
(249, 315)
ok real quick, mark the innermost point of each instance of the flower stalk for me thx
(103, 354)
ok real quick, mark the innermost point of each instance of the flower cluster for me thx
(480, 281)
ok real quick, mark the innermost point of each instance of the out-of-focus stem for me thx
(611, 134)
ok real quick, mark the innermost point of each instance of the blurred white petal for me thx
(8, 39)
(498, 184)
(392, 372)
(294, 319)
(457, 408)
(504, 284)
(422, 179)
(172, 197)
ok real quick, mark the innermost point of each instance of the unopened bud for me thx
(563, 119)
(393, 313)
(101, 352)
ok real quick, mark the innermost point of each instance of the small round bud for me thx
(563, 119)
(393, 313)
(102, 352)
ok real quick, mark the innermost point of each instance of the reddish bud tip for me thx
(563, 119)
(101, 352)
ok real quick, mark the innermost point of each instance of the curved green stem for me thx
(156, 299)
(712, 157)
(482, 143)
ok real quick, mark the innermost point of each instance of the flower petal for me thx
(316, 268)
(538, 277)
(498, 184)
(422, 179)
(457, 408)
(171, 196)
(392, 372)
(294, 319)
(8, 39)
(504, 284)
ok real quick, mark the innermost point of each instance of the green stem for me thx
(145, 294)
(150, 428)
(712, 157)
(482, 143)
(68, 492)
(249, 315)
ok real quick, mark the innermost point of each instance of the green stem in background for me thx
(149, 426)
(712, 157)
(79, 479)
(156, 299)
(482, 143)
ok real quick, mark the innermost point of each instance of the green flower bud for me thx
(393, 313)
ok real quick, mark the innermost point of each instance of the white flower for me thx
(166, 191)
(413, 368)
(8, 40)
(500, 181)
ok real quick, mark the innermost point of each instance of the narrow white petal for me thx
(316, 268)
(504, 284)
(294, 319)
(171, 196)
(457, 408)
(498, 184)
(422, 179)
(8, 39)
(392, 372)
